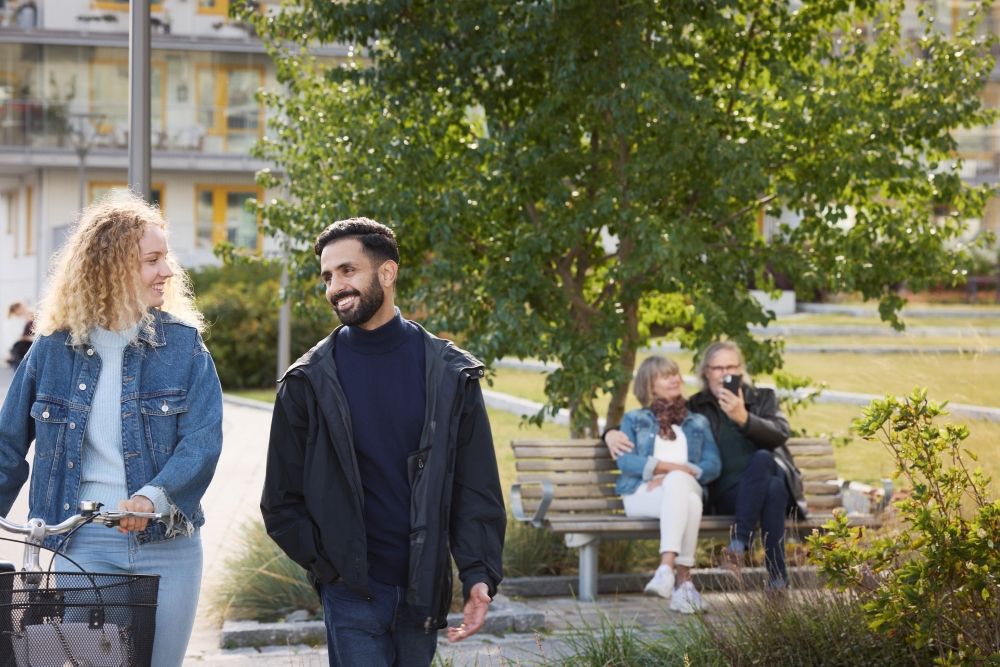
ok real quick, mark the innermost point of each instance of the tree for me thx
(564, 174)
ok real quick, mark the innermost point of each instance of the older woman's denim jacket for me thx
(637, 465)
(171, 413)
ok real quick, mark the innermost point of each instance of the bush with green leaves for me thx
(936, 582)
(240, 302)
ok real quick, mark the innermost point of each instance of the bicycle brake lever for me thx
(114, 517)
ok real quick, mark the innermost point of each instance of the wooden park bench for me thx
(568, 487)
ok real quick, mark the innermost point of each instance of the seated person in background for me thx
(665, 474)
(748, 427)
(20, 348)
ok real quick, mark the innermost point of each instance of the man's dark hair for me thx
(377, 240)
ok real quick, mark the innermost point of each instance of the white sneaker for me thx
(662, 583)
(687, 599)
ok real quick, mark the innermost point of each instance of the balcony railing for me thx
(34, 123)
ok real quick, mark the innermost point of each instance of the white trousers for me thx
(677, 504)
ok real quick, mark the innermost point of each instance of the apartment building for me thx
(64, 126)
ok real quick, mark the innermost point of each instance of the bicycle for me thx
(74, 619)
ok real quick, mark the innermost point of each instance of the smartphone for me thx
(732, 382)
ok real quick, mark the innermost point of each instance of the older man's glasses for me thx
(724, 369)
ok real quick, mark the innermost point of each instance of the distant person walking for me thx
(124, 406)
(20, 348)
(381, 466)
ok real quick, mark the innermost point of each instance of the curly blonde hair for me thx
(95, 279)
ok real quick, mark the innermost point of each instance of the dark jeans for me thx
(375, 632)
(760, 497)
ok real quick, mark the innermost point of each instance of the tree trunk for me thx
(583, 420)
(630, 345)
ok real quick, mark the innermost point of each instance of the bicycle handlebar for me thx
(36, 530)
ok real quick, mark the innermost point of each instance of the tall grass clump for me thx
(609, 644)
(533, 552)
(936, 582)
(814, 627)
(261, 582)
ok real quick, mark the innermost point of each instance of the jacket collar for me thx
(453, 357)
(151, 332)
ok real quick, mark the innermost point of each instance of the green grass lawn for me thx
(960, 378)
(870, 462)
(991, 320)
(967, 343)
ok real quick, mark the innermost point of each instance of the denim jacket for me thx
(171, 412)
(641, 428)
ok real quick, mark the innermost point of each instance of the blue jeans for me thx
(178, 561)
(761, 496)
(377, 631)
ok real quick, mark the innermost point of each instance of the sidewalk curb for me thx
(705, 580)
(505, 616)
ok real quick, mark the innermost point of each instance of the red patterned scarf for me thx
(669, 413)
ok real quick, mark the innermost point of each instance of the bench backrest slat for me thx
(583, 477)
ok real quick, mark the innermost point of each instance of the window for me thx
(221, 214)
(109, 102)
(123, 5)
(213, 7)
(227, 103)
(13, 221)
(98, 189)
(29, 223)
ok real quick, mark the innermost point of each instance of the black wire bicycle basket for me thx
(77, 619)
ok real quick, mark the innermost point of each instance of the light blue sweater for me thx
(103, 464)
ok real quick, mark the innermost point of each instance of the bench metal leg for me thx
(587, 544)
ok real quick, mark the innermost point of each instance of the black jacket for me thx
(766, 427)
(313, 503)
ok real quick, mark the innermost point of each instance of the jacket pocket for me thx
(159, 416)
(415, 464)
(50, 427)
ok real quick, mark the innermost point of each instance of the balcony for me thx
(206, 138)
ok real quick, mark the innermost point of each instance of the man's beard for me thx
(367, 305)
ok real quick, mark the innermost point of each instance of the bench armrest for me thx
(517, 506)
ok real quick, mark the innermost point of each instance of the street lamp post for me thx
(139, 99)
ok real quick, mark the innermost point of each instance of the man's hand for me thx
(618, 443)
(136, 504)
(733, 405)
(473, 615)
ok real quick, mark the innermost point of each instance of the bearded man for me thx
(381, 466)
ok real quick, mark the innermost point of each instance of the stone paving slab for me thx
(565, 620)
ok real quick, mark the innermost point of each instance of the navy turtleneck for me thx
(383, 376)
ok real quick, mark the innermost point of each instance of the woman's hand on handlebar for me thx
(135, 504)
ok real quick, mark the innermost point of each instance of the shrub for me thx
(809, 627)
(261, 582)
(936, 583)
(240, 303)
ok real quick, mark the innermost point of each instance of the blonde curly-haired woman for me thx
(123, 402)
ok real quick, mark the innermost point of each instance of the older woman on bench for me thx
(665, 474)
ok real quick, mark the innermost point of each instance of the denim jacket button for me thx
(83, 387)
(66, 506)
(164, 408)
(45, 415)
(90, 351)
(69, 464)
(72, 425)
